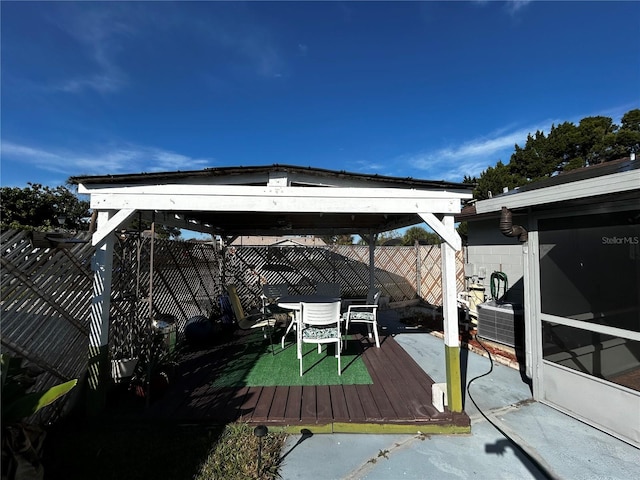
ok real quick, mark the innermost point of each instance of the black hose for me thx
(544, 470)
(495, 280)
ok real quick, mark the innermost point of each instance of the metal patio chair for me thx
(367, 314)
(251, 321)
(270, 294)
(328, 289)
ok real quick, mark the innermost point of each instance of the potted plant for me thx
(22, 441)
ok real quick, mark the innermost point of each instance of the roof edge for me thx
(236, 170)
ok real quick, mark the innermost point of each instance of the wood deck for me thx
(398, 401)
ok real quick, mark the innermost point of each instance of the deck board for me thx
(324, 413)
(386, 389)
(279, 404)
(264, 402)
(399, 395)
(339, 403)
(416, 394)
(354, 406)
(294, 404)
(309, 405)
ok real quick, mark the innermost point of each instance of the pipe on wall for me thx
(508, 229)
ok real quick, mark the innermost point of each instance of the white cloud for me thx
(473, 156)
(512, 6)
(251, 43)
(516, 5)
(368, 166)
(99, 33)
(95, 34)
(119, 159)
(104, 82)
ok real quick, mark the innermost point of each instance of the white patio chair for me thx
(328, 289)
(320, 323)
(367, 313)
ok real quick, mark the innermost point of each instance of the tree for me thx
(420, 235)
(387, 236)
(469, 180)
(562, 148)
(463, 230)
(596, 140)
(381, 238)
(631, 120)
(162, 231)
(567, 146)
(337, 239)
(43, 208)
(532, 162)
(628, 138)
(494, 179)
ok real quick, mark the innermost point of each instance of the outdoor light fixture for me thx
(260, 431)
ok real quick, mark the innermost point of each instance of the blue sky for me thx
(432, 90)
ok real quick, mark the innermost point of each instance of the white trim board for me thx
(274, 199)
(614, 183)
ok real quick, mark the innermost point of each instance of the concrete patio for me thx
(560, 446)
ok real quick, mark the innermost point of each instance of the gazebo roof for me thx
(274, 199)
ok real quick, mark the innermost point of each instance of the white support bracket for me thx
(448, 234)
(114, 222)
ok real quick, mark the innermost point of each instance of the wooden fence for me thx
(47, 292)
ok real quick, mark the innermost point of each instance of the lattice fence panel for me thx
(46, 301)
(129, 314)
(430, 274)
(399, 263)
(157, 279)
(398, 270)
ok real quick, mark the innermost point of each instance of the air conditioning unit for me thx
(496, 321)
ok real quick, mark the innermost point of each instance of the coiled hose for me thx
(497, 279)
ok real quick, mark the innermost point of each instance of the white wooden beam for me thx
(179, 221)
(260, 191)
(448, 235)
(292, 204)
(274, 199)
(107, 227)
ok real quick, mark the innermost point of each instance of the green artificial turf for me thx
(257, 366)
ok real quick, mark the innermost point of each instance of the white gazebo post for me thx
(373, 237)
(452, 242)
(98, 367)
(102, 265)
(450, 311)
